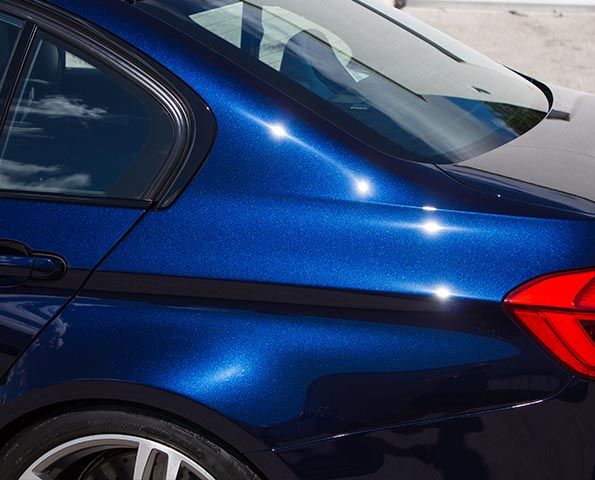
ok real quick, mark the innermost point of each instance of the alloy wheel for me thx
(114, 457)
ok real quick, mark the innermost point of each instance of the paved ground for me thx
(557, 47)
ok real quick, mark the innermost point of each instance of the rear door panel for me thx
(76, 163)
(81, 234)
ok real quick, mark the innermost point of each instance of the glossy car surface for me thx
(318, 306)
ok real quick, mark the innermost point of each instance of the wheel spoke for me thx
(30, 476)
(174, 463)
(148, 459)
(145, 460)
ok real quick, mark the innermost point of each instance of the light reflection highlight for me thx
(432, 227)
(443, 293)
(279, 131)
(228, 373)
(363, 187)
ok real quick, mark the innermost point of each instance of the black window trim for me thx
(15, 67)
(190, 146)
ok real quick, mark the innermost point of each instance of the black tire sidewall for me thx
(33, 442)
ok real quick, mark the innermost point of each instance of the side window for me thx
(279, 26)
(77, 127)
(289, 43)
(9, 34)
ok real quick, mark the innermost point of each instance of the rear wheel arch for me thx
(124, 442)
(39, 405)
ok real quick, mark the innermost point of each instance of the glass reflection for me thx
(382, 76)
(79, 128)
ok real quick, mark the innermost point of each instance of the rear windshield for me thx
(382, 76)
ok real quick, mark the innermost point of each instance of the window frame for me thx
(189, 147)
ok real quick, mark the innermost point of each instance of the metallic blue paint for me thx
(81, 234)
(324, 393)
(288, 378)
(375, 247)
(263, 208)
(551, 440)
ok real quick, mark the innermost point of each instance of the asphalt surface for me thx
(555, 46)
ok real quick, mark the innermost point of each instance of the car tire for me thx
(39, 445)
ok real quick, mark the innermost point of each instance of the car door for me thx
(81, 147)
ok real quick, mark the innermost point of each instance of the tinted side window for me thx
(76, 127)
(9, 33)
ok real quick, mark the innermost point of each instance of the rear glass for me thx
(398, 84)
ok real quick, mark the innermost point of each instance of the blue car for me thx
(287, 240)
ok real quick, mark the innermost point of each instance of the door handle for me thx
(15, 266)
(19, 264)
(47, 267)
(32, 267)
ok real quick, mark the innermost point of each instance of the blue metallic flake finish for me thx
(548, 441)
(374, 247)
(304, 390)
(288, 377)
(22, 316)
(279, 187)
(81, 234)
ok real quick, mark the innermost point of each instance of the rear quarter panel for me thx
(268, 214)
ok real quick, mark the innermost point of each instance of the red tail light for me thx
(559, 310)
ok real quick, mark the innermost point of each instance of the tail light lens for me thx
(559, 311)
